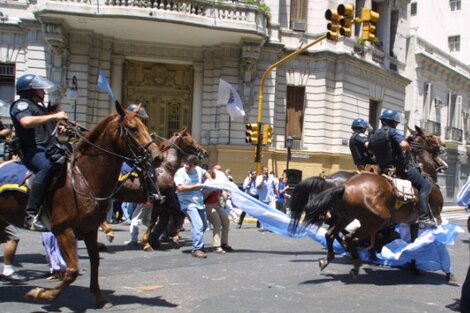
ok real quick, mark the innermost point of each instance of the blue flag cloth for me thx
(103, 84)
(429, 249)
(463, 196)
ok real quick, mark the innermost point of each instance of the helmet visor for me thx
(40, 82)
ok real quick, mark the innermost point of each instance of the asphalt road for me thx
(266, 273)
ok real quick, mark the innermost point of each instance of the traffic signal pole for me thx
(258, 147)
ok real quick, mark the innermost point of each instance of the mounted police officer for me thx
(358, 144)
(34, 125)
(150, 178)
(389, 147)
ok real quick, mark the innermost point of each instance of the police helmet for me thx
(360, 123)
(26, 83)
(390, 115)
(142, 113)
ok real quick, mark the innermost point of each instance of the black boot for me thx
(32, 220)
(424, 220)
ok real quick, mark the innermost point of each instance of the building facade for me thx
(438, 98)
(171, 55)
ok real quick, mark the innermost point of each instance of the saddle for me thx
(403, 190)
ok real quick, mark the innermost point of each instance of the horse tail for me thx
(301, 195)
(316, 208)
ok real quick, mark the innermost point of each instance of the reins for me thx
(136, 160)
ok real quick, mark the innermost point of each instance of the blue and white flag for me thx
(227, 95)
(429, 249)
(463, 196)
(103, 84)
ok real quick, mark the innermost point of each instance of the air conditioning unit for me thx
(299, 25)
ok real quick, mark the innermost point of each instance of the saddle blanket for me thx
(405, 191)
(12, 176)
(14, 173)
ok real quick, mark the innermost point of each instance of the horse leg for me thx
(91, 242)
(153, 215)
(68, 248)
(330, 255)
(109, 232)
(414, 228)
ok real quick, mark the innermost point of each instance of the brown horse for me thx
(366, 197)
(80, 199)
(174, 150)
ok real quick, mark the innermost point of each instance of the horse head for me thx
(187, 144)
(427, 147)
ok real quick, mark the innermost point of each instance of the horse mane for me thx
(95, 133)
(164, 144)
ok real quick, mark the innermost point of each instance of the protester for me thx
(9, 236)
(188, 180)
(216, 214)
(282, 195)
(249, 186)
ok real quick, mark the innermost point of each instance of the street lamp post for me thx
(289, 143)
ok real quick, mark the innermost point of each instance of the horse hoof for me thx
(354, 273)
(104, 304)
(110, 237)
(323, 263)
(34, 293)
(450, 278)
(148, 247)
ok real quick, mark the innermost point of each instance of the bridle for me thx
(178, 140)
(434, 149)
(141, 157)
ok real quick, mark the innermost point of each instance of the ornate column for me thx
(56, 37)
(250, 54)
(197, 101)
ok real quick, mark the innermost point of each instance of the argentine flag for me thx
(103, 84)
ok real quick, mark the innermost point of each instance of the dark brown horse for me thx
(366, 197)
(80, 199)
(174, 150)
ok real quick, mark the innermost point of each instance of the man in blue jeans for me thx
(188, 181)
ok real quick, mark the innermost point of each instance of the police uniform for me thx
(358, 149)
(385, 143)
(33, 145)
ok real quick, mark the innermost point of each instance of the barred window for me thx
(454, 43)
(454, 5)
(7, 87)
(414, 9)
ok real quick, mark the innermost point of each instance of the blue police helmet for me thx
(28, 82)
(390, 115)
(360, 123)
(142, 113)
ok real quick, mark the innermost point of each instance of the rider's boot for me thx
(32, 220)
(424, 220)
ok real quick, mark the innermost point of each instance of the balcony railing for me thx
(454, 134)
(433, 127)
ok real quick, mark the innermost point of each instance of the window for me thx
(295, 111)
(454, 43)
(7, 87)
(374, 112)
(454, 119)
(298, 15)
(414, 9)
(454, 5)
(427, 101)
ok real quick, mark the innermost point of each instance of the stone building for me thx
(170, 56)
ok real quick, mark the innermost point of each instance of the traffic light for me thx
(267, 134)
(333, 26)
(252, 133)
(347, 20)
(368, 29)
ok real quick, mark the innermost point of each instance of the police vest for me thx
(31, 136)
(358, 151)
(381, 146)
